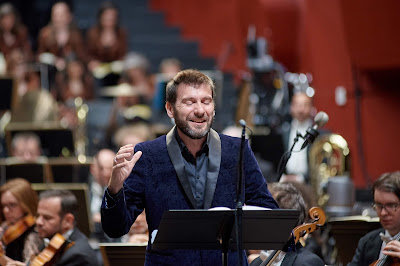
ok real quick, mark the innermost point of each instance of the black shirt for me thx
(196, 169)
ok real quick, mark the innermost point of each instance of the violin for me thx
(46, 257)
(318, 215)
(16, 230)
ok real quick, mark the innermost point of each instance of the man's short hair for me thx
(25, 136)
(289, 197)
(69, 203)
(388, 182)
(191, 77)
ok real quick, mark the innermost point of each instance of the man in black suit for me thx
(383, 242)
(301, 108)
(57, 212)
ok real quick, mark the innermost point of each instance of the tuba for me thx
(329, 173)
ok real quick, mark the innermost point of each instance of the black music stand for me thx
(8, 93)
(35, 171)
(55, 139)
(70, 169)
(212, 229)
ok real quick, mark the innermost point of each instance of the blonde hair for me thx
(23, 191)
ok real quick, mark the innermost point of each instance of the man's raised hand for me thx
(124, 162)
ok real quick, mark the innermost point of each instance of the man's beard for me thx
(183, 126)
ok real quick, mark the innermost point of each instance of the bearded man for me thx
(192, 167)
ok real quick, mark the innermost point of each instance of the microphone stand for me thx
(286, 156)
(240, 199)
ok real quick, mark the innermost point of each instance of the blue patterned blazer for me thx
(158, 183)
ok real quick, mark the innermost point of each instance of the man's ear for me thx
(93, 169)
(170, 111)
(68, 222)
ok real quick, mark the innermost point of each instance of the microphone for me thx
(240, 196)
(243, 124)
(319, 121)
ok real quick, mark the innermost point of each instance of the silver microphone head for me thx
(242, 122)
(321, 119)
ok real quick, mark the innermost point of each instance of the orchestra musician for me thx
(382, 245)
(18, 210)
(288, 197)
(57, 213)
(107, 41)
(64, 244)
(26, 146)
(61, 38)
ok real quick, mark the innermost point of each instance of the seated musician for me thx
(57, 212)
(26, 146)
(383, 244)
(139, 232)
(18, 209)
(56, 221)
(288, 197)
(100, 173)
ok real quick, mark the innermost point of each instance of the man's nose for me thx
(199, 109)
(39, 221)
(384, 211)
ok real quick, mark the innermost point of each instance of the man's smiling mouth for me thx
(198, 121)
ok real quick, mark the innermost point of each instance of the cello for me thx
(318, 215)
(387, 260)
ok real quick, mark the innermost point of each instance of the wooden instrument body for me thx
(46, 256)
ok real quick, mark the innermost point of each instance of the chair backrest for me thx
(122, 254)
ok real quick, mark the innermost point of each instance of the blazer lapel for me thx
(177, 161)
(214, 162)
(289, 258)
(376, 244)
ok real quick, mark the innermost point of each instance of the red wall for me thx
(341, 43)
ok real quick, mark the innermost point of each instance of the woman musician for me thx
(18, 210)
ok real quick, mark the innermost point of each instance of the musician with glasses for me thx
(383, 243)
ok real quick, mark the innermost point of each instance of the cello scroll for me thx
(318, 215)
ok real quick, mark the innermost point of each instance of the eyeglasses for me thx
(11, 205)
(390, 207)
